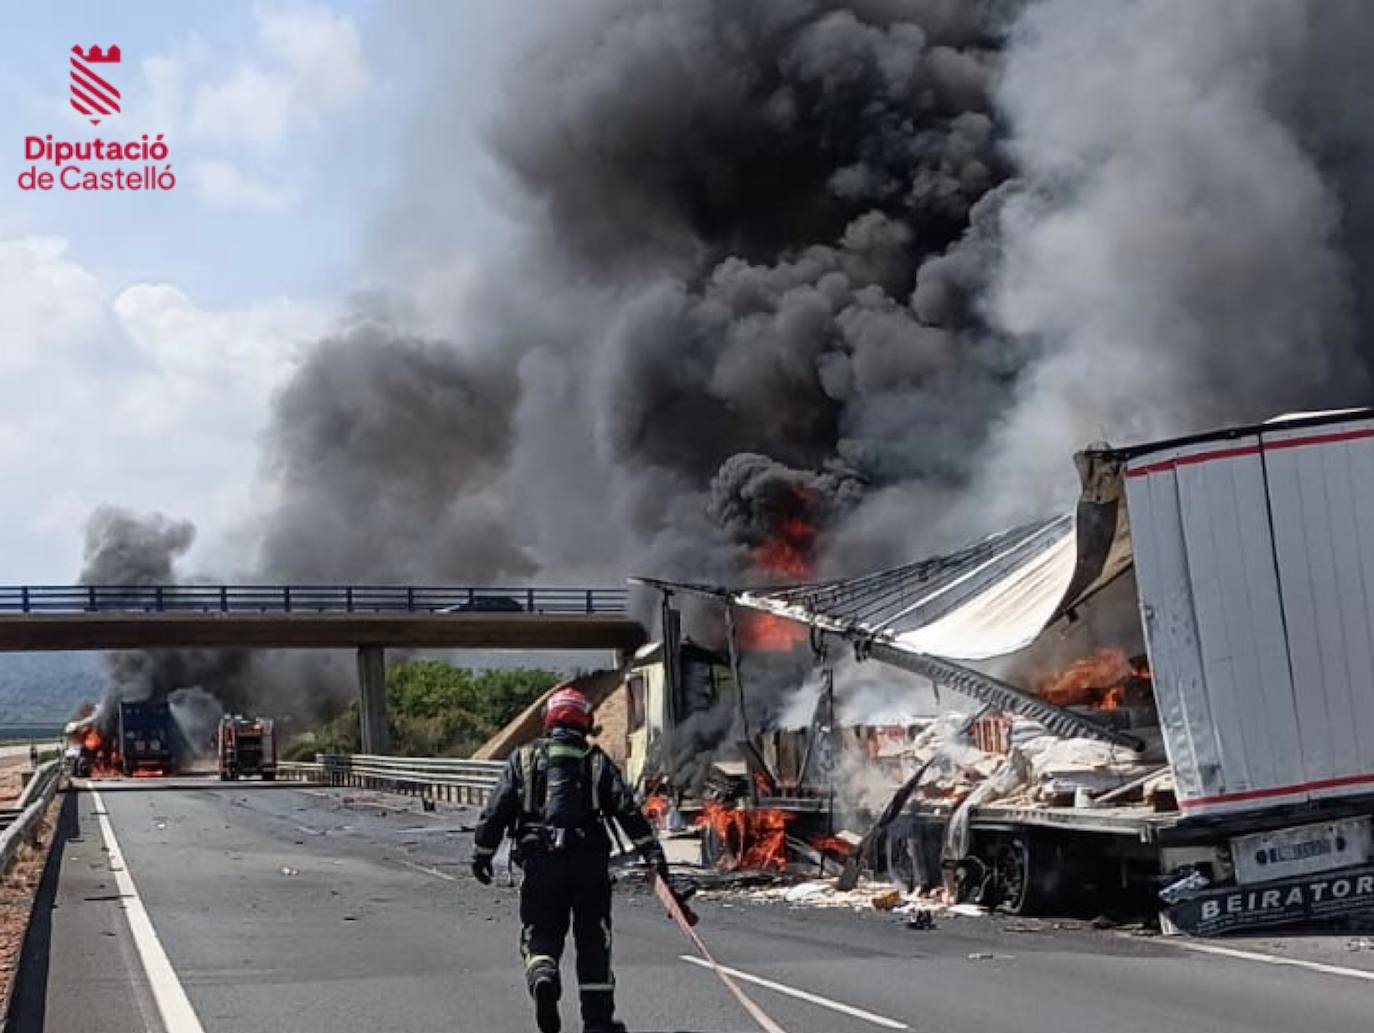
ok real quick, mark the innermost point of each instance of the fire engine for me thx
(246, 746)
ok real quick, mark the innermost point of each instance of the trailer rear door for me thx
(1255, 566)
(1321, 502)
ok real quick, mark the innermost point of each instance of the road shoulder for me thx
(80, 970)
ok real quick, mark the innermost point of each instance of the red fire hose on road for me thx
(685, 920)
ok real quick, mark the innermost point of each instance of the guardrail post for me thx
(410, 599)
(157, 598)
(90, 597)
(24, 597)
(348, 598)
(286, 598)
(223, 598)
(529, 600)
(590, 608)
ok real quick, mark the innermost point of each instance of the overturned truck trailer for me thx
(1248, 555)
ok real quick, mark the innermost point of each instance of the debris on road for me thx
(886, 900)
(920, 918)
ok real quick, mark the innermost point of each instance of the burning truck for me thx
(1172, 687)
(141, 744)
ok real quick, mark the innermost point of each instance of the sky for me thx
(143, 334)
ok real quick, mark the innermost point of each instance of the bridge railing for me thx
(434, 778)
(307, 599)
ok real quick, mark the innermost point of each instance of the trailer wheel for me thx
(901, 864)
(1012, 864)
(1031, 872)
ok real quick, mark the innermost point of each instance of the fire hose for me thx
(686, 919)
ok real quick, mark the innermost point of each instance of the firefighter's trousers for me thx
(572, 884)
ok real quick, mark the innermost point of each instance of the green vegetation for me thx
(436, 710)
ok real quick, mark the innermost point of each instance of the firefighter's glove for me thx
(481, 866)
(659, 864)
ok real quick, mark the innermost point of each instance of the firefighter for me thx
(554, 798)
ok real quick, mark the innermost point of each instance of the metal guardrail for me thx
(432, 778)
(32, 802)
(306, 599)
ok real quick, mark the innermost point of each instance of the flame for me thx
(787, 554)
(656, 808)
(1096, 681)
(104, 757)
(770, 634)
(754, 839)
(833, 845)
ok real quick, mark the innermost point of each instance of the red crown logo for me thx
(96, 57)
(92, 94)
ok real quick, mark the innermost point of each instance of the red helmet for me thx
(568, 707)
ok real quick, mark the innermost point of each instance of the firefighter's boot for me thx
(542, 977)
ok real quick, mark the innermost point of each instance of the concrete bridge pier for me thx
(372, 698)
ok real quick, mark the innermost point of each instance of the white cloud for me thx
(312, 65)
(251, 106)
(249, 349)
(323, 52)
(141, 397)
(221, 183)
(47, 300)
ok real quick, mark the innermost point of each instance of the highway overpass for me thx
(368, 618)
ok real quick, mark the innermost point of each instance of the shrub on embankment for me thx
(435, 710)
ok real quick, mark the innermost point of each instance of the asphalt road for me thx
(327, 912)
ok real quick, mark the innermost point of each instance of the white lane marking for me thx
(1274, 959)
(172, 1003)
(801, 995)
(428, 871)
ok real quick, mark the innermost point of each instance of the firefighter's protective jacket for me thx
(560, 781)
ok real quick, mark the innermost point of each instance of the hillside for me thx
(47, 687)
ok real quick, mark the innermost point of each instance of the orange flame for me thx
(656, 808)
(787, 554)
(770, 634)
(754, 840)
(1096, 681)
(104, 758)
(833, 845)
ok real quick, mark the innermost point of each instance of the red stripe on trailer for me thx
(1247, 450)
(1200, 457)
(1264, 794)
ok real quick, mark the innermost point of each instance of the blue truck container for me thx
(145, 737)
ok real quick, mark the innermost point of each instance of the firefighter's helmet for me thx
(569, 708)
